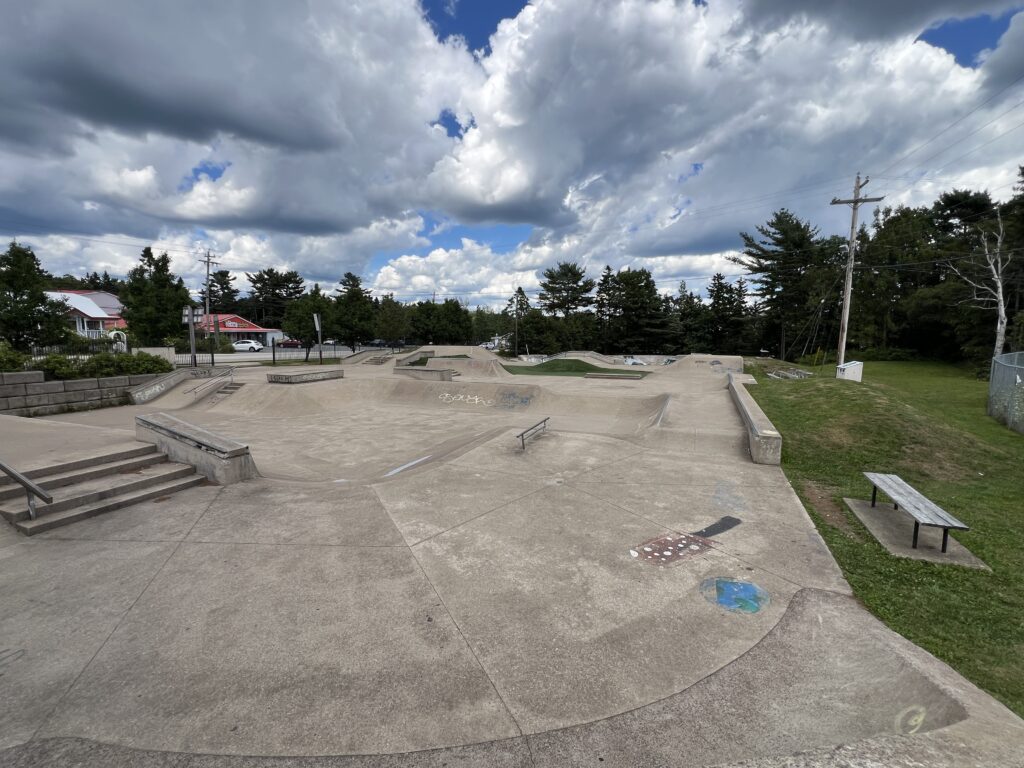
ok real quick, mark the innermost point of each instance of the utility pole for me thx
(851, 248)
(216, 336)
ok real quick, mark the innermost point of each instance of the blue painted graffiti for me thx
(514, 400)
(734, 595)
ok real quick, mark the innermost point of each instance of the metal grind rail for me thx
(31, 489)
(533, 431)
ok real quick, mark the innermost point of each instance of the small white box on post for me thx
(851, 371)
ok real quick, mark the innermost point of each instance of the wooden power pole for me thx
(854, 203)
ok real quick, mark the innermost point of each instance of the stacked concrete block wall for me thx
(27, 394)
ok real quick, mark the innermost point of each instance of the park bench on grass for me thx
(924, 511)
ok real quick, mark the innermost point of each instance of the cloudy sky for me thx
(459, 147)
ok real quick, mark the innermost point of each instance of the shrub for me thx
(11, 359)
(101, 365)
(57, 367)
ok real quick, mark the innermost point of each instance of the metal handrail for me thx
(31, 489)
(229, 373)
(526, 434)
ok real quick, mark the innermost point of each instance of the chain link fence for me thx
(1006, 390)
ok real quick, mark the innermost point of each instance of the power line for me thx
(953, 124)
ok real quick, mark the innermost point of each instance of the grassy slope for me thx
(565, 366)
(927, 423)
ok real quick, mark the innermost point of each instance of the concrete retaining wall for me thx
(27, 394)
(302, 378)
(764, 440)
(221, 459)
(426, 374)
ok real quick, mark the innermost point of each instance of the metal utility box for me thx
(851, 371)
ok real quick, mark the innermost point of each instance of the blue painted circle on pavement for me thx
(734, 595)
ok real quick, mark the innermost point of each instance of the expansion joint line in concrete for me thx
(124, 615)
(474, 517)
(476, 658)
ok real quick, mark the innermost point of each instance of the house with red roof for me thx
(92, 313)
(236, 328)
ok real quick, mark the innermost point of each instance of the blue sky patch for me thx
(451, 125)
(502, 238)
(475, 20)
(204, 168)
(966, 38)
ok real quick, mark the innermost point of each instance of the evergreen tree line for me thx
(928, 282)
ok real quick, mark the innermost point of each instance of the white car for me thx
(246, 345)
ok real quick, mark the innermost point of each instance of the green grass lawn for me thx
(565, 366)
(927, 423)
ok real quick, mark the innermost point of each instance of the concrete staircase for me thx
(377, 360)
(224, 392)
(88, 487)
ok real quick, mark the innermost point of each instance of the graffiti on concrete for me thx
(514, 400)
(448, 397)
(911, 719)
(734, 595)
(722, 525)
(670, 549)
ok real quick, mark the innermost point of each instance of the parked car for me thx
(290, 343)
(246, 345)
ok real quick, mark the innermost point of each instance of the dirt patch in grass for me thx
(822, 499)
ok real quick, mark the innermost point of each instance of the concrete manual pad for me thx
(568, 624)
(59, 602)
(285, 650)
(268, 512)
(894, 530)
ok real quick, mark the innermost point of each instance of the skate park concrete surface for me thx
(405, 586)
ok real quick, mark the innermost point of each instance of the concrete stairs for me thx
(88, 487)
(224, 392)
(377, 360)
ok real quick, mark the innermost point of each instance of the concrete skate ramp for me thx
(611, 413)
(476, 353)
(475, 368)
(827, 674)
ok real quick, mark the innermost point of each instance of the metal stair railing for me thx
(31, 489)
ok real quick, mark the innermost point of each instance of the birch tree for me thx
(986, 276)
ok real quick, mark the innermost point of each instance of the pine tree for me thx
(27, 316)
(153, 298)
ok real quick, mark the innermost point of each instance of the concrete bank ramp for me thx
(482, 369)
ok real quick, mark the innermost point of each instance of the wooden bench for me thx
(924, 511)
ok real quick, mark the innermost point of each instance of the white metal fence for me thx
(1006, 390)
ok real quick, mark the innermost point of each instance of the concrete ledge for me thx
(763, 438)
(425, 374)
(303, 378)
(221, 459)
